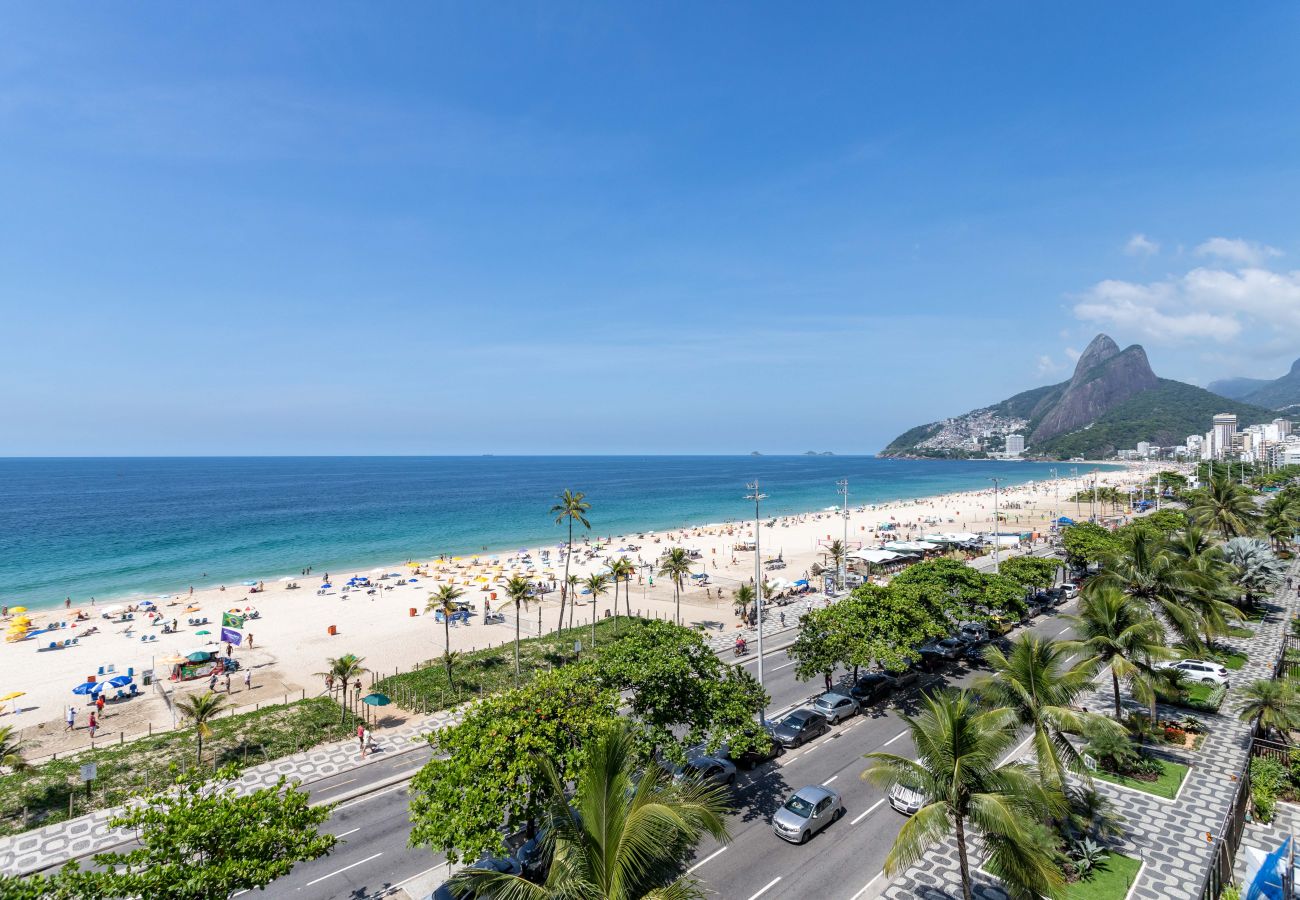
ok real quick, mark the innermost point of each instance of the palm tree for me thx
(11, 754)
(620, 570)
(1184, 597)
(1275, 703)
(444, 599)
(571, 588)
(676, 565)
(625, 835)
(571, 508)
(744, 595)
(1224, 506)
(596, 584)
(1281, 518)
(1119, 632)
(1036, 683)
(836, 552)
(344, 670)
(1255, 568)
(199, 708)
(519, 590)
(965, 788)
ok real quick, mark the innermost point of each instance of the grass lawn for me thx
(1202, 696)
(1234, 659)
(148, 764)
(489, 671)
(1166, 785)
(1109, 881)
(1239, 632)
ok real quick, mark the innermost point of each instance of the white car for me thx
(907, 800)
(1199, 670)
(1069, 590)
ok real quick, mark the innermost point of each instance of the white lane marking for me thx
(706, 859)
(346, 833)
(400, 786)
(829, 780)
(869, 811)
(894, 738)
(336, 785)
(867, 886)
(779, 668)
(1063, 631)
(344, 869)
(765, 888)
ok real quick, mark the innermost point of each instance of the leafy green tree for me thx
(1036, 683)
(1275, 703)
(892, 626)
(345, 670)
(595, 583)
(828, 637)
(571, 508)
(1225, 507)
(444, 599)
(489, 768)
(626, 834)
(200, 709)
(199, 842)
(966, 790)
(681, 693)
(951, 591)
(518, 592)
(676, 566)
(1086, 544)
(1030, 571)
(1117, 632)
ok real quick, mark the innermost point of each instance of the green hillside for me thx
(1022, 405)
(1164, 415)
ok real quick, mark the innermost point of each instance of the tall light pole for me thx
(997, 537)
(1078, 508)
(843, 485)
(1092, 510)
(1056, 497)
(757, 497)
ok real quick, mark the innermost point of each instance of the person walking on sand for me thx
(248, 679)
(92, 725)
(227, 682)
(72, 717)
(99, 704)
(250, 640)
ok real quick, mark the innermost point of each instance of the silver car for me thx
(906, 800)
(836, 707)
(808, 811)
(710, 769)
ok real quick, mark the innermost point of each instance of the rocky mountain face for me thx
(1112, 401)
(1278, 393)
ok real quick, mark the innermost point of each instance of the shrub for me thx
(1175, 735)
(1268, 780)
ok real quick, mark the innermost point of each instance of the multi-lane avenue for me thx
(841, 863)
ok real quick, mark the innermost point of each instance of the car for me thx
(905, 678)
(751, 758)
(930, 660)
(948, 648)
(806, 812)
(708, 769)
(907, 800)
(1069, 590)
(1040, 604)
(1000, 625)
(1056, 596)
(872, 688)
(836, 706)
(972, 634)
(800, 727)
(1200, 670)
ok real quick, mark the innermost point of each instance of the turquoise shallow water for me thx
(119, 527)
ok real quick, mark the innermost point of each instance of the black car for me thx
(800, 727)
(872, 688)
(905, 678)
(754, 758)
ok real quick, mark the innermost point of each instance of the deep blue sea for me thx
(113, 528)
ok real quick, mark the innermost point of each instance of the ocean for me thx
(114, 528)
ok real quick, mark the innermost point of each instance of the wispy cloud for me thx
(1141, 245)
(1247, 253)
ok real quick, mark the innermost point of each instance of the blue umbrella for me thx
(85, 688)
(119, 681)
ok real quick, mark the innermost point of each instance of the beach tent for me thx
(1065, 520)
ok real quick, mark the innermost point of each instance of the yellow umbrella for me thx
(18, 609)
(12, 695)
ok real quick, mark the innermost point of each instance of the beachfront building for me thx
(1223, 435)
(1015, 444)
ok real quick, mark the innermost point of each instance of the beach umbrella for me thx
(119, 681)
(18, 609)
(376, 700)
(204, 631)
(196, 656)
(327, 585)
(85, 687)
(12, 695)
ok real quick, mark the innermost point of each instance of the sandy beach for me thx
(291, 639)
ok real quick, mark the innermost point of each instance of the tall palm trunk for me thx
(677, 597)
(961, 857)
(200, 759)
(565, 586)
(517, 606)
(446, 647)
(1114, 680)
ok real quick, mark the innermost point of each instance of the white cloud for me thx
(1141, 245)
(1248, 253)
(1047, 365)
(1073, 353)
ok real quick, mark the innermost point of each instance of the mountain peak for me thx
(1098, 351)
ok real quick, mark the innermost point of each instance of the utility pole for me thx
(843, 485)
(1056, 497)
(1158, 492)
(758, 587)
(1092, 510)
(1078, 509)
(997, 542)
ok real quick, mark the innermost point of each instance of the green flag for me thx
(230, 620)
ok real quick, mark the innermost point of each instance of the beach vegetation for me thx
(620, 572)
(743, 597)
(676, 566)
(518, 592)
(1274, 703)
(200, 709)
(11, 753)
(345, 672)
(967, 791)
(1224, 507)
(1030, 571)
(1118, 632)
(491, 767)
(444, 600)
(597, 584)
(625, 834)
(570, 508)
(952, 592)
(198, 841)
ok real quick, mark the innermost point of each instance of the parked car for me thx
(1000, 625)
(948, 648)
(752, 758)
(872, 688)
(1200, 670)
(905, 678)
(711, 769)
(972, 633)
(836, 706)
(906, 800)
(800, 727)
(808, 811)
(1069, 590)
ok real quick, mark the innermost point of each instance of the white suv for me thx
(1199, 670)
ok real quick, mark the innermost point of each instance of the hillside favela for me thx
(554, 451)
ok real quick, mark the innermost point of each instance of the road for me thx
(841, 863)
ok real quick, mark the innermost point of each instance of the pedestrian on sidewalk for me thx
(72, 717)
(361, 740)
(828, 681)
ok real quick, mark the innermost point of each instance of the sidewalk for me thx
(1168, 836)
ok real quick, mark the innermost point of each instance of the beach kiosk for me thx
(199, 664)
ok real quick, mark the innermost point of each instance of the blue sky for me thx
(431, 228)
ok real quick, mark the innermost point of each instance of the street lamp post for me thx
(843, 485)
(758, 497)
(997, 542)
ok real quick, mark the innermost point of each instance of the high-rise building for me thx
(1224, 431)
(1015, 444)
(1283, 428)
(1143, 448)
